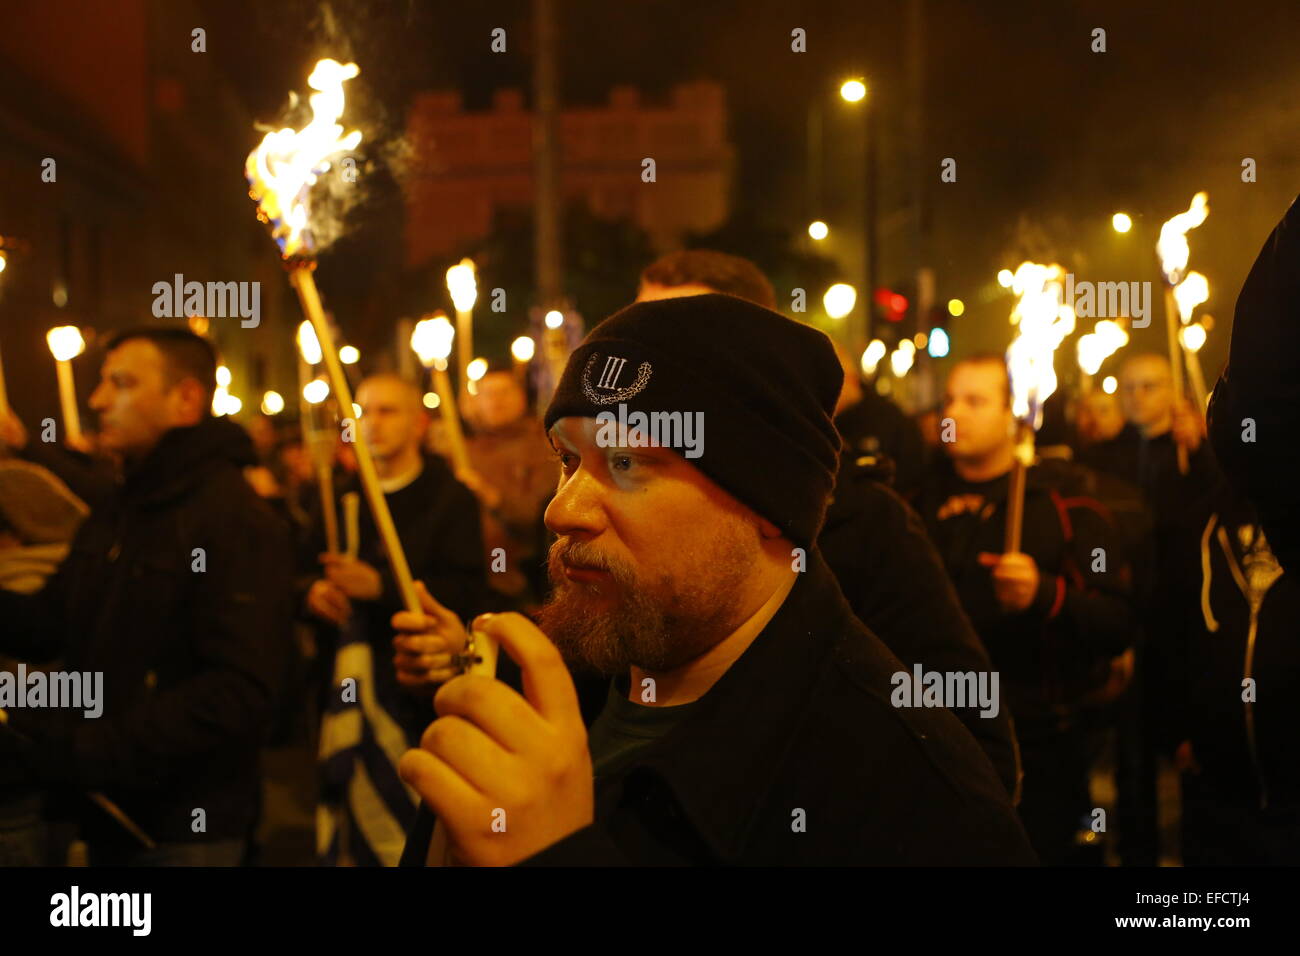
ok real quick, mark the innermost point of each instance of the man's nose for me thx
(99, 398)
(577, 507)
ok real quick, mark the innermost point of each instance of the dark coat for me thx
(1247, 752)
(895, 582)
(803, 721)
(1262, 383)
(192, 659)
(437, 520)
(1054, 654)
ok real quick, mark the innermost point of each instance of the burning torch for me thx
(1106, 338)
(1043, 320)
(317, 440)
(1173, 251)
(66, 343)
(281, 172)
(431, 341)
(463, 286)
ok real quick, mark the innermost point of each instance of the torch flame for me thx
(1190, 293)
(282, 170)
(65, 342)
(1044, 320)
(431, 339)
(462, 285)
(1106, 338)
(308, 344)
(1171, 247)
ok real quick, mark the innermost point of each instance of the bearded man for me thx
(749, 717)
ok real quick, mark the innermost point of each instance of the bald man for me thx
(375, 704)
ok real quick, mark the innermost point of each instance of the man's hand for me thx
(1188, 425)
(489, 496)
(1015, 579)
(12, 431)
(507, 775)
(353, 577)
(425, 643)
(328, 603)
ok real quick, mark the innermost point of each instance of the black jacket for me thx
(876, 426)
(895, 582)
(193, 647)
(1247, 751)
(1052, 655)
(438, 524)
(1261, 382)
(802, 721)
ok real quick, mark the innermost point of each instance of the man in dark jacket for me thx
(372, 713)
(873, 542)
(177, 591)
(752, 718)
(1235, 697)
(1052, 615)
(1255, 412)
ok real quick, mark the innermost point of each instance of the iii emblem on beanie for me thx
(605, 390)
(766, 384)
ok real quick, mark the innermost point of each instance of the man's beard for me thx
(615, 624)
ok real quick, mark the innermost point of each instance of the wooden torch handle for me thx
(301, 278)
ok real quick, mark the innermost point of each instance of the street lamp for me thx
(853, 91)
(818, 230)
(1121, 222)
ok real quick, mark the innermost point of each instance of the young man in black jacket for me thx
(751, 718)
(1052, 615)
(372, 715)
(178, 591)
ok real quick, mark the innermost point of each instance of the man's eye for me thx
(621, 463)
(565, 459)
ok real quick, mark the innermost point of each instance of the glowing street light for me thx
(818, 230)
(554, 319)
(956, 307)
(476, 369)
(872, 355)
(938, 343)
(1121, 222)
(839, 300)
(523, 348)
(272, 403)
(1109, 384)
(1005, 278)
(316, 391)
(349, 355)
(853, 91)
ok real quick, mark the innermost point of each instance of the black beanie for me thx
(766, 386)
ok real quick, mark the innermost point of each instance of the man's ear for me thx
(193, 401)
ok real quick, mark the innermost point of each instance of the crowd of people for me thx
(700, 655)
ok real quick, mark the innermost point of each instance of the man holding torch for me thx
(750, 718)
(437, 521)
(1053, 612)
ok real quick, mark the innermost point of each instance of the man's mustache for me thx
(579, 554)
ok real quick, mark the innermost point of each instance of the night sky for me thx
(1050, 137)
